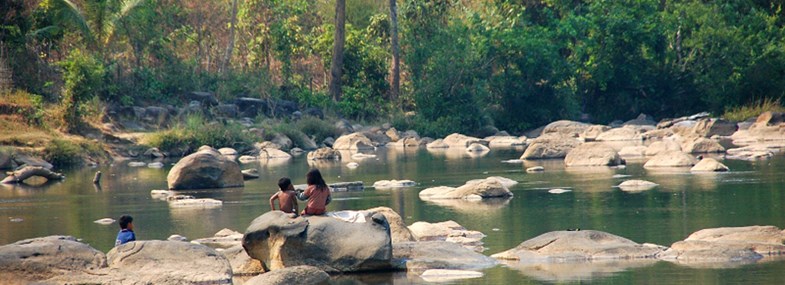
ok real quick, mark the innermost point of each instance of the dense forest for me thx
(437, 66)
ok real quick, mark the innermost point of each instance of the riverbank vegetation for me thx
(464, 65)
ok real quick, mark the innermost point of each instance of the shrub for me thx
(83, 76)
(187, 136)
(742, 113)
(318, 129)
(62, 152)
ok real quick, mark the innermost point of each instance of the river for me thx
(751, 194)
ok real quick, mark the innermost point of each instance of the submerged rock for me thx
(637, 185)
(302, 274)
(280, 240)
(206, 168)
(725, 245)
(578, 246)
(447, 275)
(385, 184)
(487, 188)
(535, 169)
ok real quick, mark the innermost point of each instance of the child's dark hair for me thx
(125, 220)
(314, 177)
(284, 183)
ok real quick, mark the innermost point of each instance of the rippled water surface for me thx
(751, 194)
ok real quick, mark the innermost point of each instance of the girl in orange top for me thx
(317, 193)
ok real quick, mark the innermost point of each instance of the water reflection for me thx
(564, 272)
(479, 207)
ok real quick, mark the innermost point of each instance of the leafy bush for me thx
(742, 113)
(62, 152)
(83, 76)
(195, 131)
(317, 128)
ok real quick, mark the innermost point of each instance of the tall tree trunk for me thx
(230, 45)
(336, 67)
(395, 69)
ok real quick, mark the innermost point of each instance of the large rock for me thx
(593, 132)
(626, 133)
(487, 188)
(353, 141)
(702, 145)
(273, 153)
(170, 262)
(768, 127)
(505, 141)
(436, 144)
(671, 159)
(732, 244)
(302, 274)
(565, 128)
(714, 127)
(282, 140)
(593, 154)
(449, 231)
(416, 257)
(550, 146)
(23, 159)
(241, 263)
(658, 147)
(398, 230)
(753, 152)
(462, 141)
(6, 159)
(46, 257)
(206, 168)
(578, 246)
(709, 165)
(633, 151)
(324, 153)
(280, 240)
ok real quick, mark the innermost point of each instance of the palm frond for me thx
(67, 12)
(127, 7)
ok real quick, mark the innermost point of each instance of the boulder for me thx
(227, 151)
(658, 147)
(633, 151)
(250, 107)
(393, 134)
(709, 165)
(488, 188)
(398, 230)
(731, 244)
(637, 185)
(448, 275)
(578, 246)
(344, 127)
(227, 110)
(282, 140)
(462, 141)
(21, 174)
(702, 145)
(714, 127)
(377, 137)
(753, 152)
(384, 184)
(170, 262)
(535, 169)
(324, 153)
(224, 238)
(205, 98)
(671, 158)
(417, 257)
(550, 146)
(281, 240)
(565, 128)
(353, 141)
(438, 143)
(46, 257)
(657, 134)
(477, 148)
(626, 133)
(6, 158)
(302, 274)
(593, 154)
(206, 168)
(156, 115)
(242, 264)
(449, 231)
(273, 153)
(153, 152)
(23, 159)
(251, 173)
(591, 133)
(505, 141)
(641, 120)
(507, 182)
(768, 127)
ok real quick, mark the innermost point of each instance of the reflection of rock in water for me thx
(591, 179)
(473, 206)
(728, 264)
(562, 272)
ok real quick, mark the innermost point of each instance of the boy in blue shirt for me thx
(126, 233)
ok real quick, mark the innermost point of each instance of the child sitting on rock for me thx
(317, 193)
(285, 196)
(126, 233)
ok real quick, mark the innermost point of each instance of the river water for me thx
(751, 194)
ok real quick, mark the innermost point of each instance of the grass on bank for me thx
(743, 113)
(194, 131)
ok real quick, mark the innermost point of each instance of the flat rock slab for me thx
(577, 246)
(302, 274)
(726, 245)
(45, 257)
(170, 262)
(417, 257)
(476, 190)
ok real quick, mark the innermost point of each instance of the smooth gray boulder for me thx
(550, 146)
(710, 127)
(42, 258)
(462, 141)
(302, 274)
(658, 147)
(671, 158)
(353, 141)
(626, 133)
(449, 231)
(709, 165)
(281, 240)
(417, 257)
(593, 154)
(324, 153)
(702, 145)
(206, 168)
(170, 262)
(578, 246)
(398, 230)
(565, 128)
(472, 190)
(726, 245)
